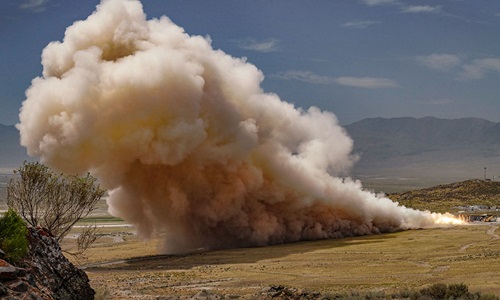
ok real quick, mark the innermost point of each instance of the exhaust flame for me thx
(448, 219)
(188, 143)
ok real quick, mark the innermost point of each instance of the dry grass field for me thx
(387, 262)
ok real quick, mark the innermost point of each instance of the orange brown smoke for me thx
(187, 142)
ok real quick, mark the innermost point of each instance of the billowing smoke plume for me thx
(187, 142)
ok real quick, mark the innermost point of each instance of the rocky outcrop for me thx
(44, 274)
(286, 293)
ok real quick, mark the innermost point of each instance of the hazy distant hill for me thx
(11, 153)
(449, 197)
(427, 147)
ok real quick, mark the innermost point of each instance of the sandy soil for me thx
(129, 269)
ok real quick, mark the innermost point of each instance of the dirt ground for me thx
(127, 268)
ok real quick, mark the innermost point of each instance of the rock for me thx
(281, 292)
(3, 290)
(17, 285)
(56, 272)
(9, 272)
(46, 273)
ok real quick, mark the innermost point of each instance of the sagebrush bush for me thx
(435, 291)
(55, 201)
(456, 291)
(13, 239)
(102, 293)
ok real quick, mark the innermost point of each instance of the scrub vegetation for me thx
(452, 197)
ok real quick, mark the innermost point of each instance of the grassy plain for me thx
(387, 262)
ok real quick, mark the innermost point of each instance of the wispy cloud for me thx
(467, 70)
(442, 62)
(359, 82)
(359, 24)
(478, 68)
(367, 82)
(269, 45)
(405, 8)
(304, 76)
(379, 2)
(417, 9)
(34, 5)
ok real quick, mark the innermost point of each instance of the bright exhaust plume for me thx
(189, 145)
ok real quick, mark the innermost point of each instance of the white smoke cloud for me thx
(187, 142)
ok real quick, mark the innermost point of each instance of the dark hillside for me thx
(492, 134)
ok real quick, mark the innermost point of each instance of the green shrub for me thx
(13, 239)
(435, 291)
(457, 291)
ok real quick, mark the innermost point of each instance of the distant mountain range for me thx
(430, 148)
(427, 147)
(12, 154)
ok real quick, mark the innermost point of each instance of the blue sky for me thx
(356, 58)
